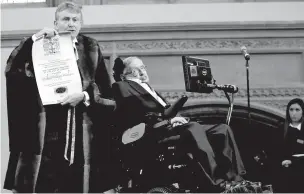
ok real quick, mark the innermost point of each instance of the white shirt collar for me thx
(296, 126)
(75, 41)
(74, 45)
(135, 80)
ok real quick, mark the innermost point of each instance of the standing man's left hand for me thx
(73, 99)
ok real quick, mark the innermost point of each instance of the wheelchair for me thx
(159, 167)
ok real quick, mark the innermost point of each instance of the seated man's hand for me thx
(286, 163)
(73, 99)
(176, 121)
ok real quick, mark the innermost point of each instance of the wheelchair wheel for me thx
(163, 190)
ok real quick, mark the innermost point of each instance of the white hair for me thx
(127, 63)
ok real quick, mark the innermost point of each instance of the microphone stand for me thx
(248, 93)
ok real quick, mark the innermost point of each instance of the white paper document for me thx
(56, 69)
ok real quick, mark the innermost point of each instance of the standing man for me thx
(41, 156)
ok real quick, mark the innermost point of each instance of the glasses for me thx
(142, 67)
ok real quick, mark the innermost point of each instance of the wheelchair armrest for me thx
(153, 116)
(168, 113)
(175, 107)
(160, 124)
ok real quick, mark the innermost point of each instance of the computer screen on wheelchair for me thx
(197, 74)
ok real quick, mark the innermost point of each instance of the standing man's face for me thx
(68, 21)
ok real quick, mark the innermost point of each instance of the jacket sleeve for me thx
(18, 57)
(100, 88)
(102, 77)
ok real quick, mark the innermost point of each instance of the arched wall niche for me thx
(218, 109)
(257, 138)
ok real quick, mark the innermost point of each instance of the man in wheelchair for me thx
(211, 147)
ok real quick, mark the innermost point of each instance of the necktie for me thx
(75, 50)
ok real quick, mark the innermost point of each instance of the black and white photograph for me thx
(152, 96)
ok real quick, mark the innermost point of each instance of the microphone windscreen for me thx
(243, 48)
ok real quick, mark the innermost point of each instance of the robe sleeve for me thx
(22, 99)
(100, 91)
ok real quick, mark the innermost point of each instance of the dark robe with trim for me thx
(37, 132)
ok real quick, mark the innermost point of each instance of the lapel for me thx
(143, 91)
(85, 62)
(137, 87)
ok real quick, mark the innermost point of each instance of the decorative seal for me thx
(61, 90)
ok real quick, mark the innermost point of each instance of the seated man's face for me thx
(141, 69)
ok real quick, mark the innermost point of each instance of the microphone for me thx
(228, 88)
(245, 53)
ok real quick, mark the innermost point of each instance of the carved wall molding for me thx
(212, 43)
(278, 104)
(181, 36)
(106, 46)
(204, 45)
(220, 46)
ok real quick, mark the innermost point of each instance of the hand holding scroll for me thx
(73, 99)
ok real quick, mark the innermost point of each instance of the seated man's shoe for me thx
(244, 187)
(226, 185)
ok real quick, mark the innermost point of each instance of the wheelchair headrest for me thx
(175, 107)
